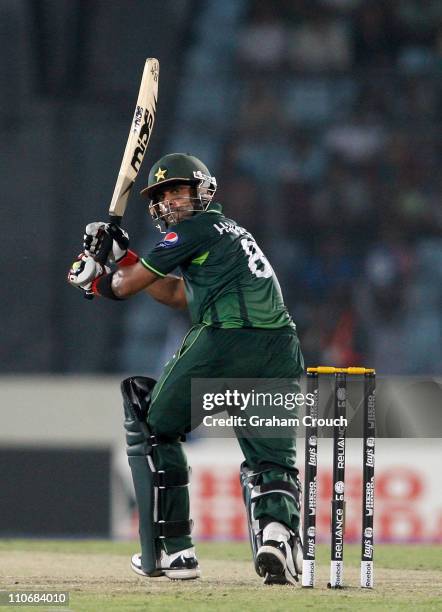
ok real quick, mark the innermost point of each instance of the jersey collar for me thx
(214, 207)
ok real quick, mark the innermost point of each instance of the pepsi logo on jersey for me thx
(170, 239)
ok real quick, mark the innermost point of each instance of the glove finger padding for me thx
(84, 271)
(93, 237)
(93, 240)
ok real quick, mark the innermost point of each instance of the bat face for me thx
(139, 135)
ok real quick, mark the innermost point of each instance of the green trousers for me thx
(209, 352)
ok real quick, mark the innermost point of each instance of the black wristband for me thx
(103, 286)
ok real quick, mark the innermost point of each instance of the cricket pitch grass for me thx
(98, 576)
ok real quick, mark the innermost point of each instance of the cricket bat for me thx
(136, 146)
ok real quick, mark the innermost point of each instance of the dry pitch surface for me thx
(98, 577)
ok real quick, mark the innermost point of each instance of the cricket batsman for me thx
(240, 329)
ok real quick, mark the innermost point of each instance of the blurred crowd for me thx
(332, 161)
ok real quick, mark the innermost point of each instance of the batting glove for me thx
(93, 239)
(84, 271)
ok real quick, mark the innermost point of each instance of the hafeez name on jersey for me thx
(230, 227)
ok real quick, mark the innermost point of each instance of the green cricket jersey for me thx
(228, 281)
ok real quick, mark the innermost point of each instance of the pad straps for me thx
(171, 478)
(171, 529)
(163, 480)
(275, 486)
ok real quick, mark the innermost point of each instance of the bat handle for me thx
(106, 245)
(105, 249)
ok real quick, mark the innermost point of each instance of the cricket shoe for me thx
(182, 565)
(279, 559)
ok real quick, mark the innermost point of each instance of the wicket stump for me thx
(337, 523)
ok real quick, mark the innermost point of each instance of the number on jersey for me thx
(258, 264)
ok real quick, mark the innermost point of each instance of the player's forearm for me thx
(131, 279)
(169, 291)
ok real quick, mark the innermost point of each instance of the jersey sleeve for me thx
(175, 249)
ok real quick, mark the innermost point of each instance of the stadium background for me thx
(322, 123)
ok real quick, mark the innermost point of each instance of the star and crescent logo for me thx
(160, 174)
